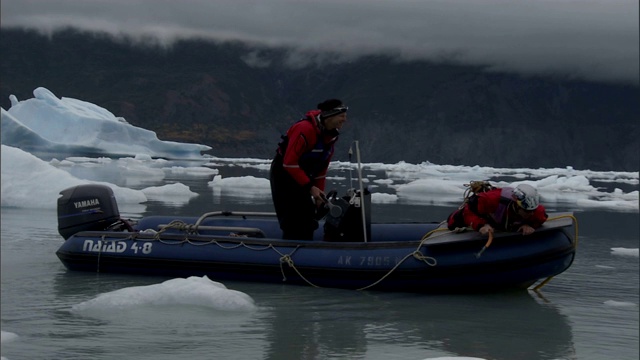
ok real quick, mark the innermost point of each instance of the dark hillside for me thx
(205, 93)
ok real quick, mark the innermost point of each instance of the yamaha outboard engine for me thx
(86, 208)
(344, 220)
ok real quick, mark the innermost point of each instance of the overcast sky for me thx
(589, 39)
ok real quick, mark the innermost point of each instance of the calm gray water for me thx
(589, 312)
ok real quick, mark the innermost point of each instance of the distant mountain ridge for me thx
(205, 93)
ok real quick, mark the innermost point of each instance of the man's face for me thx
(335, 122)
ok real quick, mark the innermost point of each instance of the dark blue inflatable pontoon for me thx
(411, 257)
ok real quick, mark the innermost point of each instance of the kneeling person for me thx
(507, 209)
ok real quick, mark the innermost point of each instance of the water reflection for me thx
(318, 323)
(297, 322)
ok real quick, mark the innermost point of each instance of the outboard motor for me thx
(86, 208)
(344, 220)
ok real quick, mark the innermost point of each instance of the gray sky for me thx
(587, 39)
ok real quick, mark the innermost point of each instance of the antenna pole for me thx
(362, 210)
(350, 168)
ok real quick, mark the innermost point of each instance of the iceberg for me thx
(48, 124)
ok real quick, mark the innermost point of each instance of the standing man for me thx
(300, 166)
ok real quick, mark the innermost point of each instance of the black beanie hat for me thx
(331, 107)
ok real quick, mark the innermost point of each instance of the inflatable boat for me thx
(348, 251)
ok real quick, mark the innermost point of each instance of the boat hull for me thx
(396, 258)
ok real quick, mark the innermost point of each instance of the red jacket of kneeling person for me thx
(501, 210)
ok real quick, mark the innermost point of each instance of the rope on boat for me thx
(425, 236)
(288, 258)
(431, 261)
(289, 261)
(284, 258)
(575, 245)
(179, 225)
(461, 230)
(100, 252)
(486, 245)
(490, 240)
